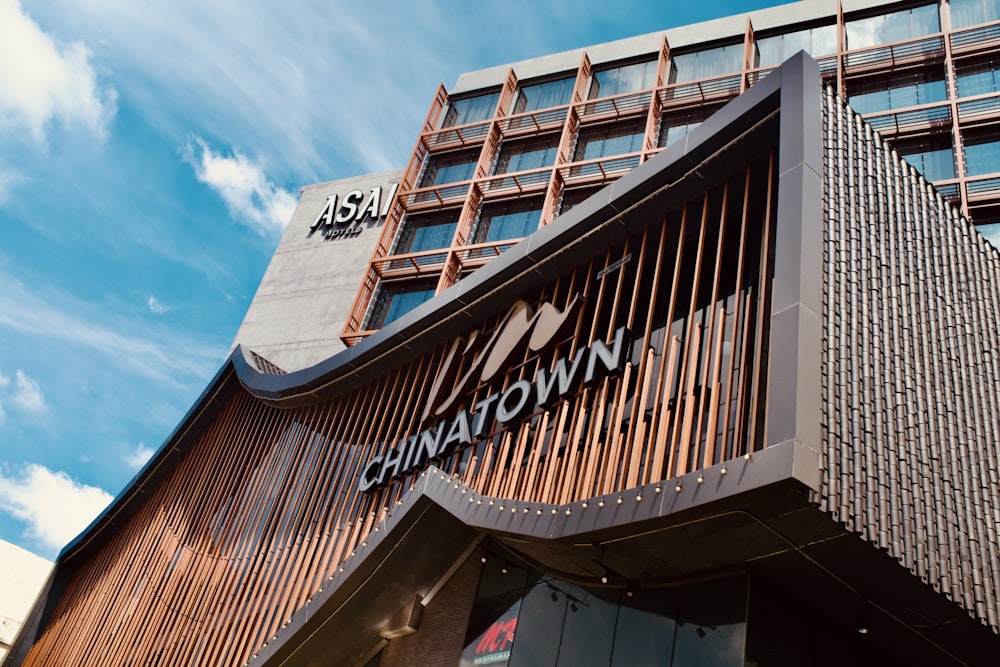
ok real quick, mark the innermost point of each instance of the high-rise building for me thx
(663, 355)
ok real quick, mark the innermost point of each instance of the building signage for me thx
(494, 645)
(341, 217)
(453, 426)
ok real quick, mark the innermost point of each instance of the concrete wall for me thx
(23, 574)
(296, 317)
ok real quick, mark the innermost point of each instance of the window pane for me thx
(589, 630)
(494, 617)
(571, 198)
(610, 139)
(624, 79)
(544, 95)
(527, 154)
(449, 168)
(507, 220)
(470, 109)
(932, 156)
(539, 626)
(711, 62)
(646, 626)
(982, 153)
(711, 624)
(397, 299)
(677, 124)
(893, 27)
(971, 12)
(978, 76)
(819, 41)
(427, 232)
(897, 90)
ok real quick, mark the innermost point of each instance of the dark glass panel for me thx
(978, 76)
(470, 109)
(526, 154)
(507, 220)
(711, 624)
(623, 79)
(931, 155)
(610, 139)
(451, 167)
(897, 90)
(539, 627)
(710, 62)
(893, 27)
(973, 12)
(396, 299)
(818, 41)
(645, 631)
(982, 152)
(589, 630)
(544, 95)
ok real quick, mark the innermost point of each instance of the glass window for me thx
(470, 109)
(893, 27)
(710, 62)
(677, 124)
(819, 41)
(527, 154)
(610, 139)
(571, 198)
(449, 167)
(646, 628)
(507, 220)
(932, 156)
(711, 623)
(396, 299)
(544, 95)
(427, 232)
(972, 12)
(978, 76)
(982, 152)
(897, 90)
(539, 627)
(493, 621)
(591, 614)
(624, 79)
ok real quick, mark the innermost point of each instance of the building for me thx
(24, 574)
(734, 402)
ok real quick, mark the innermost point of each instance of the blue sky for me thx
(150, 155)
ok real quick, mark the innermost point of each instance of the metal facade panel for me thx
(911, 368)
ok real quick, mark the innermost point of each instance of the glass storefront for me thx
(525, 618)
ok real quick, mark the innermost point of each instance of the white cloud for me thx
(42, 80)
(8, 179)
(4, 382)
(27, 394)
(55, 507)
(134, 345)
(138, 457)
(155, 306)
(251, 198)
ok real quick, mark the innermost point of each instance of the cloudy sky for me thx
(150, 156)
